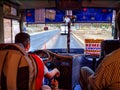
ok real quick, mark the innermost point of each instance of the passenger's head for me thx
(23, 38)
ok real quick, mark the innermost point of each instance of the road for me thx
(62, 42)
(52, 40)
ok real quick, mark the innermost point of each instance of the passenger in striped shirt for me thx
(107, 75)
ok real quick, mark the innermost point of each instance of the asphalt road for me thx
(62, 42)
(52, 40)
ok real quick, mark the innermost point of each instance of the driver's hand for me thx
(57, 72)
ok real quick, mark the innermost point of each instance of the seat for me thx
(2, 45)
(18, 73)
(107, 46)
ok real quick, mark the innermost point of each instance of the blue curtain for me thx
(83, 15)
(30, 15)
(94, 15)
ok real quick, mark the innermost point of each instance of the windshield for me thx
(52, 37)
(52, 31)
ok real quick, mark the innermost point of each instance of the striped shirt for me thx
(107, 75)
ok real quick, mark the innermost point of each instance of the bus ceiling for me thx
(28, 4)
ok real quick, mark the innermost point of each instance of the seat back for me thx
(17, 69)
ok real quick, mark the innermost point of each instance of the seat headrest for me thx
(11, 46)
(107, 46)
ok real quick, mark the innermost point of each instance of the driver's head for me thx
(24, 39)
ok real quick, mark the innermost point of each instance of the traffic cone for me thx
(45, 46)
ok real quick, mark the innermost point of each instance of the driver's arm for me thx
(52, 73)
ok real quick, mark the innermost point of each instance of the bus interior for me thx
(90, 31)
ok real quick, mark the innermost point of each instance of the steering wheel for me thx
(43, 54)
(46, 57)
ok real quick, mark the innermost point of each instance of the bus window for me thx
(7, 31)
(15, 28)
(11, 28)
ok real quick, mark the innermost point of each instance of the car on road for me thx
(64, 30)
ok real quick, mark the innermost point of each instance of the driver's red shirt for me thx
(40, 74)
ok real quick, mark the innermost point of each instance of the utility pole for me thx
(68, 38)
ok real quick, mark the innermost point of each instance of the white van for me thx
(64, 29)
